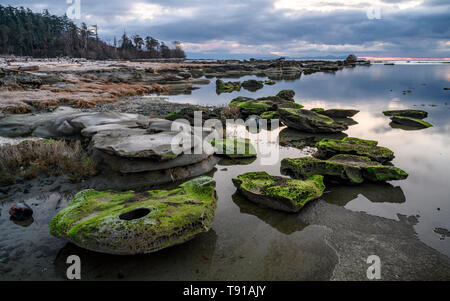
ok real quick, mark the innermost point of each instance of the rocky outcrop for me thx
(189, 114)
(287, 94)
(354, 146)
(264, 105)
(227, 87)
(128, 223)
(249, 106)
(336, 113)
(311, 122)
(293, 138)
(411, 122)
(349, 169)
(252, 85)
(419, 114)
(66, 122)
(279, 193)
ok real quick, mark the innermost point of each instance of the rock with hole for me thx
(128, 223)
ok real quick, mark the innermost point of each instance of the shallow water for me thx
(424, 154)
(328, 239)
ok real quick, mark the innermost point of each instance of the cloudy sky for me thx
(265, 28)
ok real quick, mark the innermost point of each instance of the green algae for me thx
(280, 193)
(354, 146)
(270, 115)
(419, 114)
(227, 87)
(93, 220)
(342, 168)
(234, 148)
(286, 94)
(409, 121)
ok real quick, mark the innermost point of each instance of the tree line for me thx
(25, 33)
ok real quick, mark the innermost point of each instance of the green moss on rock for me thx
(286, 94)
(419, 114)
(354, 146)
(270, 115)
(137, 223)
(227, 87)
(309, 121)
(279, 193)
(412, 122)
(252, 85)
(234, 148)
(349, 169)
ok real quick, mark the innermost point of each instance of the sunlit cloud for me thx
(142, 11)
(333, 5)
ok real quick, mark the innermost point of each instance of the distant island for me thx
(25, 33)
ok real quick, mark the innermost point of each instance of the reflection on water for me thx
(284, 222)
(374, 192)
(395, 125)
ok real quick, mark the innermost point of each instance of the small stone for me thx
(20, 212)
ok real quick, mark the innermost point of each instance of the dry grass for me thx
(31, 159)
(84, 95)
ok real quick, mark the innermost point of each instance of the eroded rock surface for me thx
(126, 223)
(342, 168)
(311, 122)
(279, 193)
(354, 146)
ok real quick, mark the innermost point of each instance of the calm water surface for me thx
(248, 242)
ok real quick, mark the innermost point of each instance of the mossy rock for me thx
(234, 148)
(125, 223)
(348, 169)
(336, 113)
(249, 106)
(269, 82)
(252, 85)
(279, 193)
(354, 146)
(270, 115)
(419, 114)
(280, 102)
(412, 122)
(286, 94)
(318, 110)
(227, 87)
(310, 122)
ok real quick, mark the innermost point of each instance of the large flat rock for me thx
(311, 122)
(128, 223)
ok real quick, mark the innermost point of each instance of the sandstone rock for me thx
(311, 122)
(339, 113)
(137, 143)
(227, 87)
(287, 94)
(411, 122)
(137, 165)
(354, 146)
(128, 223)
(419, 114)
(342, 168)
(252, 85)
(277, 192)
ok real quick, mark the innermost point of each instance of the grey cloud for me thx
(413, 32)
